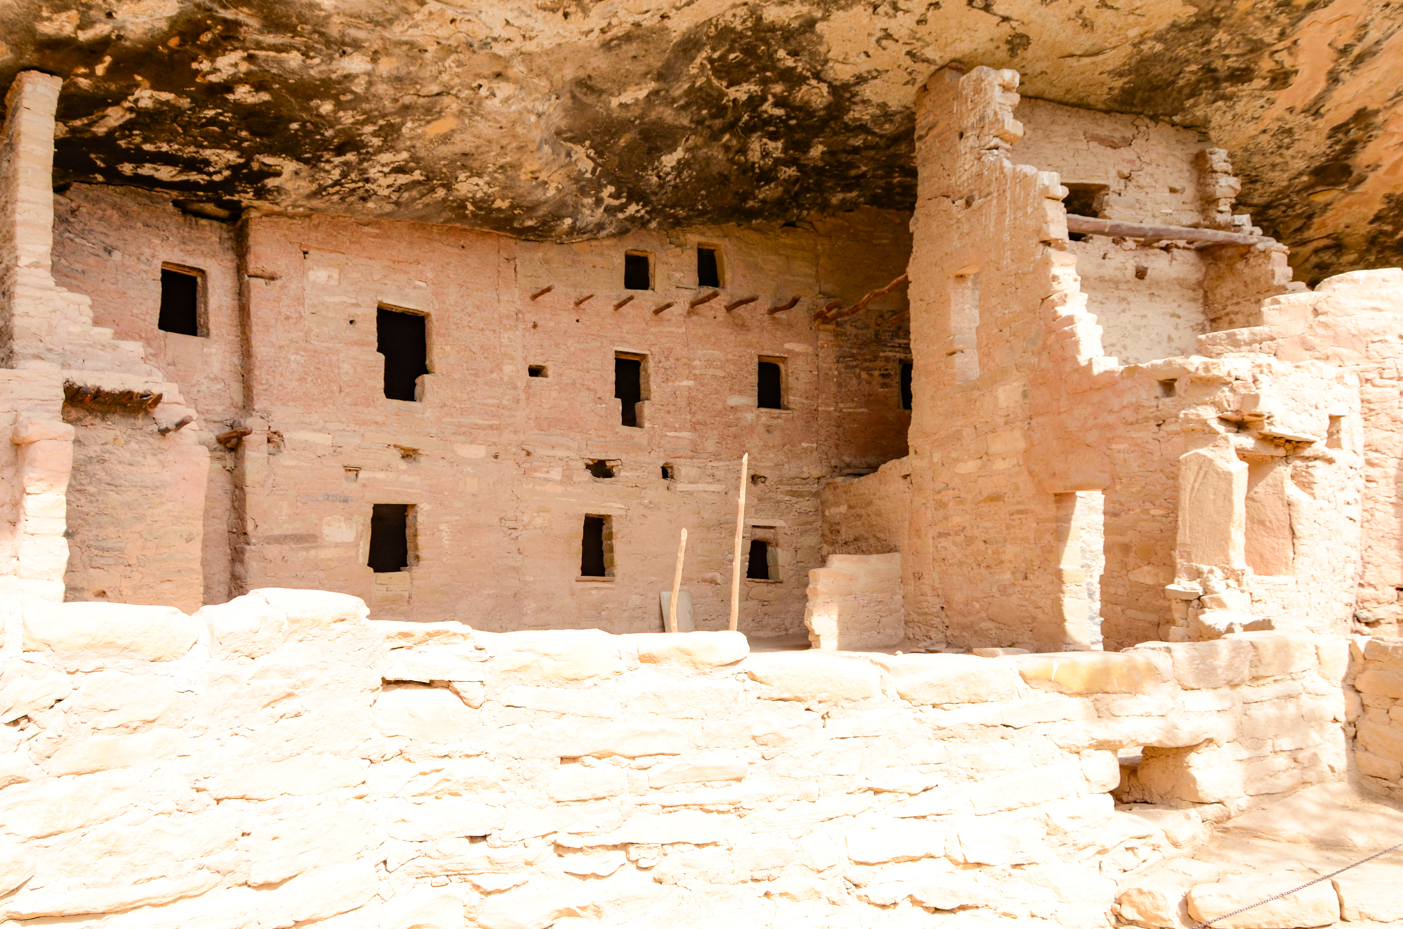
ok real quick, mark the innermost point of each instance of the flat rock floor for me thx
(1311, 833)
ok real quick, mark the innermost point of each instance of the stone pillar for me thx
(856, 601)
(28, 296)
(1213, 506)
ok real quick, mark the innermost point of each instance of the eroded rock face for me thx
(569, 118)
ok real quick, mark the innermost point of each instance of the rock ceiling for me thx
(572, 118)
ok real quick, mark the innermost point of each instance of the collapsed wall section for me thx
(282, 758)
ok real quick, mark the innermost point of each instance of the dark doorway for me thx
(593, 546)
(757, 568)
(769, 394)
(708, 270)
(638, 275)
(403, 339)
(628, 387)
(180, 302)
(389, 537)
(1084, 200)
(906, 385)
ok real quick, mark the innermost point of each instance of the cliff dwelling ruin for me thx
(581, 465)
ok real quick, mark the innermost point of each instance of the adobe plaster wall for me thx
(282, 760)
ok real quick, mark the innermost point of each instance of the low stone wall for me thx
(1378, 731)
(856, 601)
(282, 760)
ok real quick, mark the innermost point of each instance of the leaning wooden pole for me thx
(676, 584)
(740, 533)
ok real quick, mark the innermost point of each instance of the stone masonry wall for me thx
(1378, 713)
(1149, 299)
(494, 460)
(279, 760)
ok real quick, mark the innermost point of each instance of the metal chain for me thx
(1287, 893)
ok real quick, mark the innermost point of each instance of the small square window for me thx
(602, 467)
(182, 301)
(537, 371)
(638, 271)
(708, 267)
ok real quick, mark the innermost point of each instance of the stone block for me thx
(1225, 662)
(245, 627)
(560, 700)
(812, 676)
(1363, 898)
(897, 840)
(580, 782)
(439, 818)
(1101, 769)
(1384, 649)
(1371, 765)
(996, 841)
(1157, 907)
(16, 867)
(430, 715)
(303, 775)
(26, 686)
(86, 634)
(1317, 905)
(936, 680)
(435, 663)
(1380, 683)
(410, 634)
(698, 772)
(1382, 740)
(1279, 653)
(1090, 672)
(308, 611)
(699, 650)
(557, 655)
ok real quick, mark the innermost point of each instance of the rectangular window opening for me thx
(906, 385)
(182, 301)
(597, 547)
(1168, 387)
(403, 339)
(630, 387)
(638, 271)
(391, 526)
(602, 467)
(964, 325)
(769, 392)
(537, 371)
(1084, 200)
(762, 560)
(708, 267)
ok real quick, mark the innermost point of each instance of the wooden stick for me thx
(676, 584)
(828, 316)
(1090, 225)
(740, 532)
(705, 298)
(581, 301)
(793, 302)
(624, 302)
(749, 298)
(543, 291)
(665, 306)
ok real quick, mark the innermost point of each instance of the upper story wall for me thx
(1152, 299)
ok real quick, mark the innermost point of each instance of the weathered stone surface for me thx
(1207, 665)
(944, 679)
(897, 840)
(1278, 653)
(28, 685)
(248, 626)
(1368, 898)
(1380, 682)
(560, 655)
(692, 649)
(431, 715)
(1317, 905)
(1090, 672)
(812, 676)
(87, 633)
